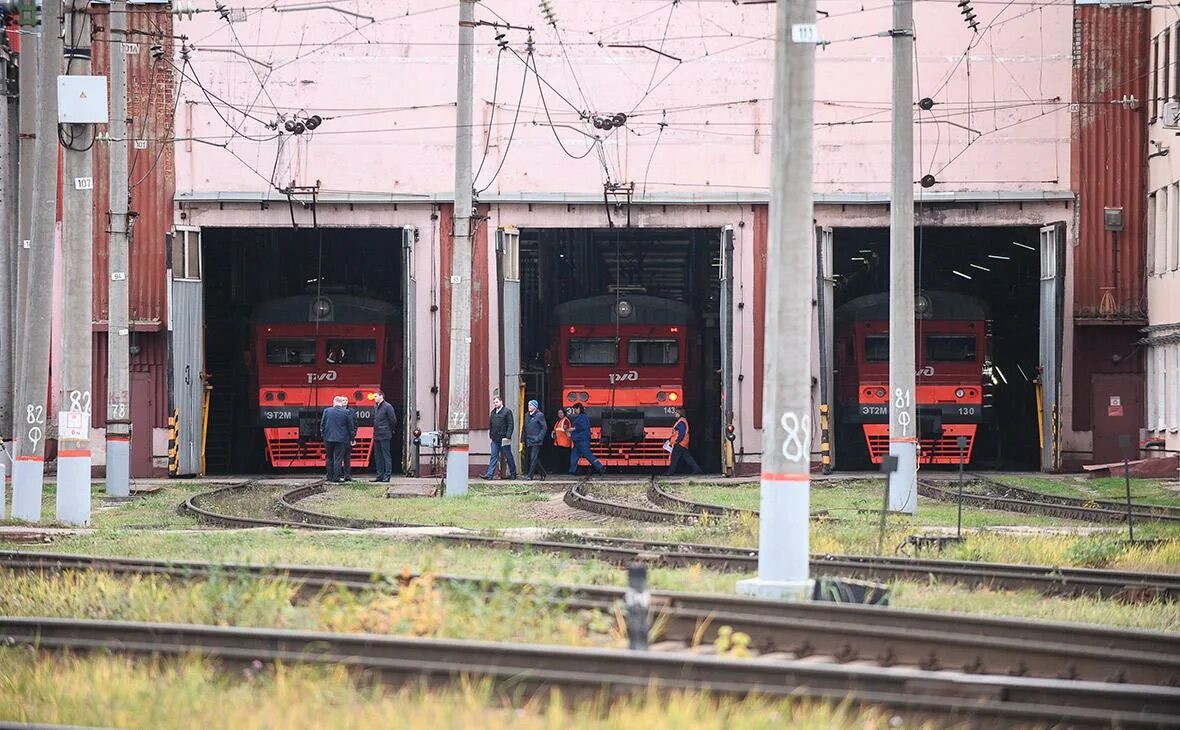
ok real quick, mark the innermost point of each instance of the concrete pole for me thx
(28, 472)
(783, 561)
(458, 418)
(903, 425)
(73, 454)
(8, 237)
(118, 406)
(27, 135)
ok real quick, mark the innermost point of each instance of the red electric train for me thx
(307, 350)
(623, 359)
(952, 352)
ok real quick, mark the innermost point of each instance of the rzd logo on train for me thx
(620, 377)
(328, 377)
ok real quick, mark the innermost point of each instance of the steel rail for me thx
(1048, 509)
(1045, 579)
(1139, 510)
(193, 507)
(843, 632)
(579, 497)
(662, 498)
(534, 668)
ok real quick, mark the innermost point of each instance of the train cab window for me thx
(352, 352)
(653, 352)
(587, 351)
(290, 352)
(876, 348)
(950, 348)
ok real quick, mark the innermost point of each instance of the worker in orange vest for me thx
(679, 441)
(561, 434)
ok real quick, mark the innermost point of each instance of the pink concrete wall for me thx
(387, 90)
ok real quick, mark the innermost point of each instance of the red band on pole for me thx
(904, 440)
(458, 447)
(73, 453)
(771, 476)
(118, 438)
(30, 458)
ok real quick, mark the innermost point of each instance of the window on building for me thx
(1174, 389)
(1161, 232)
(1151, 203)
(352, 352)
(1151, 386)
(1155, 78)
(653, 352)
(1161, 387)
(1173, 254)
(587, 351)
(290, 352)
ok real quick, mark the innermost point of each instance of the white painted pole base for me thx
(457, 461)
(784, 560)
(73, 490)
(118, 478)
(903, 485)
(3, 489)
(28, 478)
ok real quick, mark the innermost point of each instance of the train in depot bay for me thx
(623, 358)
(310, 348)
(953, 358)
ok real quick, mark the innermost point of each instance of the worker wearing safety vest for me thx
(679, 443)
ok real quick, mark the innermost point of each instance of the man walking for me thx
(580, 438)
(680, 446)
(346, 460)
(384, 423)
(500, 427)
(337, 427)
(534, 438)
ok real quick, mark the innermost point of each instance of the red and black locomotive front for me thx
(622, 357)
(952, 348)
(308, 350)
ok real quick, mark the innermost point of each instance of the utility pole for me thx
(8, 237)
(903, 426)
(783, 558)
(28, 473)
(459, 383)
(27, 135)
(73, 454)
(118, 406)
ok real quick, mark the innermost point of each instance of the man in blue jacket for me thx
(337, 429)
(384, 422)
(580, 435)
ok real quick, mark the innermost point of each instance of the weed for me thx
(1094, 553)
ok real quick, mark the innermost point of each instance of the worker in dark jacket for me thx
(337, 430)
(679, 441)
(534, 438)
(580, 436)
(384, 423)
(500, 428)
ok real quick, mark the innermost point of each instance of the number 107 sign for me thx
(73, 425)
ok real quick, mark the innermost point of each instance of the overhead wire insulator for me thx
(547, 10)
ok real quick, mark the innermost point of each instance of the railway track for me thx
(1035, 504)
(666, 507)
(578, 671)
(833, 633)
(1048, 580)
(1139, 510)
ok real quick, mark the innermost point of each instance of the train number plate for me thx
(882, 410)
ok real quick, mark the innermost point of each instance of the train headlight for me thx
(673, 397)
(572, 397)
(880, 392)
(584, 397)
(661, 396)
(959, 392)
(282, 396)
(270, 396)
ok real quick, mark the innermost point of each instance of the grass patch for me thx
(489, 506)
(1143, 491)
(192, 693)
(157, 510)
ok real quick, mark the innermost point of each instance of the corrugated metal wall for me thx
(151, 89)
(479, 404)
(1111, 46)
